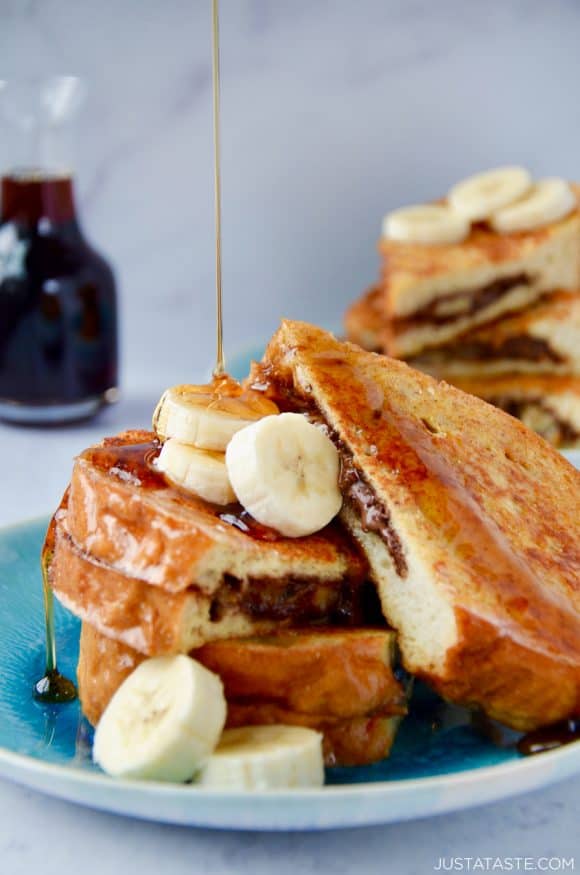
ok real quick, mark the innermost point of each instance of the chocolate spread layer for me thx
(474, 301)
(353, 485)
(301, 601)
(520, 347)
(374, 515)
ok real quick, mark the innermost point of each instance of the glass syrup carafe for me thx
(58, 300)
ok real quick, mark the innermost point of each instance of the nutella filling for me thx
(349, 600)
(300, 601)
(520, 347)
(353, 485)
(374, 515)
(474, 300)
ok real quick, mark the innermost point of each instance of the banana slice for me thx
(208, 416)
(163, 722)
(284, 471)
(427, 224)
(265, 757)
(479, 196)
(203, 472)
(548, 201)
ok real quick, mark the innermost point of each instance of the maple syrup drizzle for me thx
(53, 687)
(220, 361)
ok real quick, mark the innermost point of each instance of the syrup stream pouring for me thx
(220, 363)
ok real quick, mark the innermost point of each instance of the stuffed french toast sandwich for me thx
(260, 576)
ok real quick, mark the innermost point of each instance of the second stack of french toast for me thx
(482, 289)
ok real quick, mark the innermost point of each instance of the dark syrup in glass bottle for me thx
(58, 306)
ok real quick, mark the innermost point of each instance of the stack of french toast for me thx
(482, 289)
(290, 624)
(362, 524)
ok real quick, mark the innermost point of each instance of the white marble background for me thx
(333, 112)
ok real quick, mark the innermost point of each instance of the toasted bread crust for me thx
(357, 722)
(144, 617)
(104, 663)
(488, 515)
(328, 672)
(155, 621)
(173, 540)
(509, 692)
(521, 385)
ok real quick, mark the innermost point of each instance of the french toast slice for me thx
(545, 339)
(155, 621)
(548, 404)
(147, 618)
(435, 294)
(357, 704)
(328, 671)
(122, 512)
(470, 523)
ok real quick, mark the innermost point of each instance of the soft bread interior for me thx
(419, 610)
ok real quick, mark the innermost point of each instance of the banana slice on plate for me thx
(264, 758)
(548, 201)
(202, 472)
(479, 196)
(284, 471)
(163, 722)
(208, 416)
(430, 224)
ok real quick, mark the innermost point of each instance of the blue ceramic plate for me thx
(48, 748)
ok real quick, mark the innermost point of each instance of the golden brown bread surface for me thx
(339, 682)
(122, 514)
(478, 564)
(343, 673)
(155, 621)
(146, 618)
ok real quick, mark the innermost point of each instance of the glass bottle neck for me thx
(28, 197)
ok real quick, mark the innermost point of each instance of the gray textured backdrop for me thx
(332, 113)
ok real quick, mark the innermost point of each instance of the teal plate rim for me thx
(25, 757)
